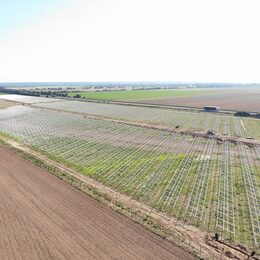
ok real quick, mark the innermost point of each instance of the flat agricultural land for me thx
(227, 99)
(42, 217)
(240, 100)
(245, 99)
(209, 184)
(139, 94)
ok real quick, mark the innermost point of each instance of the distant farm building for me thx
(211, 108)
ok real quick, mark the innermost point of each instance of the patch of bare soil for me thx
(42, 217)
(5, 103)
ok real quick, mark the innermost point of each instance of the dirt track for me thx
(42, 217)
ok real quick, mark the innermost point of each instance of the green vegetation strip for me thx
(139, 94)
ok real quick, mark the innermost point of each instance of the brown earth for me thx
(42, 217)
(226, 100)
(5, 103)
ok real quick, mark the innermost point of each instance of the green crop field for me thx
(139, 94)
(214, 186)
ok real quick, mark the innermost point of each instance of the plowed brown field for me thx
(245, 100)
(42, 217)
(5, 103)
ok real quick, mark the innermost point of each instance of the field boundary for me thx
(192, 239)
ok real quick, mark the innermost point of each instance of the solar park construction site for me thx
(182, 182)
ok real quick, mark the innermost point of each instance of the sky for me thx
(129, 40)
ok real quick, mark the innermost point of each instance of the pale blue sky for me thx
(130, 40)
(15, 14)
